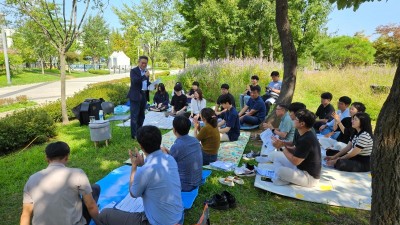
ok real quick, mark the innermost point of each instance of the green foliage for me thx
(15, 62)
(114, 92)
(23, 127)
(102, 72)
(162, 74)
(95, 35)
(388, 44)
(344, 51)
(342, 4)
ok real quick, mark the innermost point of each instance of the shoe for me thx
(256, 137)
(218, 202)
(243, 171)
(230, 198)
(251, 155)
(227, 181)
(238, 180)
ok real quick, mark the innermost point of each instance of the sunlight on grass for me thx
(108, 164)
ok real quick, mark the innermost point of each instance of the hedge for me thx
(101, 72)
(23, 127)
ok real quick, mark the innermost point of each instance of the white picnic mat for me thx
(157, 119)
(338, 188)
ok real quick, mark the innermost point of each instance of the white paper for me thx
(152, 86)
(129, 204)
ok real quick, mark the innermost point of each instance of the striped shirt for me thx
(364, 142)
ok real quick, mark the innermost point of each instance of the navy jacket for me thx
(135, 90)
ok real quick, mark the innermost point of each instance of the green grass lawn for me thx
(18, 105)
(255, 206)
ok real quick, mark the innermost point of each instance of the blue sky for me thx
(341, 22)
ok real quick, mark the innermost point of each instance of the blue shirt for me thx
(344, 114)
(258, 105)
(231, 118)
(144, 83)
(275, 85)
(157, 182)
(287, 126)
(186, 150)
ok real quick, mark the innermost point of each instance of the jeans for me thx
(243, 99)
(95, 194)
(208, 158)
(137, 114)
(251, 120)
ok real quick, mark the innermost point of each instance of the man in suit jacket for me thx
(137, 94)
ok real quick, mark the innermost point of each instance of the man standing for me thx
(138, 93)
(156, 181)
(53, 195)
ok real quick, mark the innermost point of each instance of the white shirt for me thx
(197, 105)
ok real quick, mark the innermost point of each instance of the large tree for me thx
(95, 38)
(60, 21)
(385, 166)
(388, 44)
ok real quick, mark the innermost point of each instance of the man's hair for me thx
(225, 86)
(327, 95)
(346, 100)
(255, 77)
(178, 87)
(255, 88)
(209, 115)
(149, 137)
(359, 106)
(143, 57)
(181, 125)
(296, 106)
(196, 83)
(57, 150)
(285, 107)
(225, 99)
(275, 73)
(306, 116)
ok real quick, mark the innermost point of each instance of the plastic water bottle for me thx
(101, 115)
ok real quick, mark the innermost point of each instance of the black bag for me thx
(90, 107)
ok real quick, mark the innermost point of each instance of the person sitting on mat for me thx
(231, 131)
(173, 91)
(302, 164)
(343, 111)
(245, 96)
(186, 151)
(219, 110)
(324, 111)
(190, 94)
(286, 129)
(254, 112)
(208, 135)
(156, 180)
(355, 157)
(197, 104)
(160, 99)
(178, 101)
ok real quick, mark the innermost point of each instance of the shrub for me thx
(101, 72)
(23, 127)
(162, 74)
(113, 92)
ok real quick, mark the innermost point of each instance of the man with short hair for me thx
(286, 129)
(138, 94)
(224, 91)
(343, 111)
(272, 91)
(178, 101)
(195, 87)
(254, 111)
(324, 110)
(187, 153)
(53, 195)
(245, 96)
(231, 131)
(302, 165)
(156, 181)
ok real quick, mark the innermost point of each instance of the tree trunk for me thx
(271, 49)
(260, 49)
(42, 64)
(243, 56)
(153, 59)
(288, 51)
(51, 62)
(234, 51)
(227, 51)
(385, 158)
(63, 95)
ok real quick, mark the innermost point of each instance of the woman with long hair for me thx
(208, 135)
(355, 157)
(197, 104)
(160, 99)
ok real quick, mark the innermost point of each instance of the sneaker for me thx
(230, 198)
(244, 171)
(218, 202)
(227, 181)
(250, 155)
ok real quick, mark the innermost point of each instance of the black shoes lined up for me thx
(222, 201)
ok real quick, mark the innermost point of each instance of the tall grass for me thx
(352, 82)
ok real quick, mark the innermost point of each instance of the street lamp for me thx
(4, 37)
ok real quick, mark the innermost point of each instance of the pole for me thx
(4, 37)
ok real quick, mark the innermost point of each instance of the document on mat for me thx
(129, 204)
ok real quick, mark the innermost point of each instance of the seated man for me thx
(254, 112)
(156, 181)
(302, 165)
(231, 131)
(343, 111)
(245, 96)
(272, 91)
(178, 101)
(219, 110)
(53, 195)
(190, 95)
(186, 151)
(324, 110)
(286, 127)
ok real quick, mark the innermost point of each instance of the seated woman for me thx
(197, 104)
(160, 99)
(344, 128)
(208, 135)
(355, 157)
